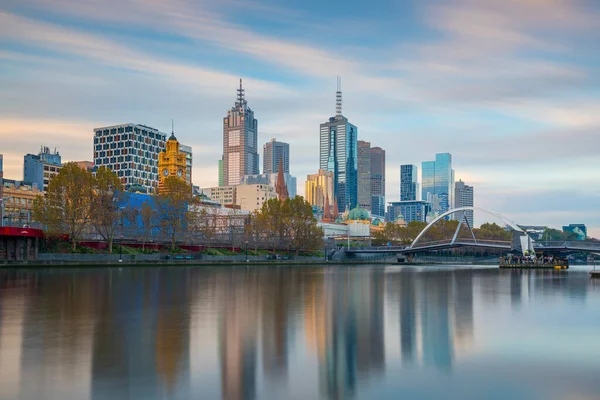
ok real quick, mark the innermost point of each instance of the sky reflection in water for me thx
(302, 333)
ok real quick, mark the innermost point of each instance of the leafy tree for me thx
(303, 229)
(67, 206)
(141, 222)
(106, 217)
(274, 221)
(172, 208)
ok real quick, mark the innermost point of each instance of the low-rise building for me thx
(39, 168)
(17, 201)
(271, 179)
(247, 197)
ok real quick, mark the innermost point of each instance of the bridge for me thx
(525, 242)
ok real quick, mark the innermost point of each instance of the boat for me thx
(529, 262)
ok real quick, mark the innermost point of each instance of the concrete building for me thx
(409, 211)
(409, 183)
(17, 202)
(318, 188)
(189, 161)
(275, 152)
(364, 175)
(240, 137)
(172, 162)
(463, 197)
(338, 153)
(271, 179)
(252, 197)
(131, 151)
(224, 195)
(377, 182)
(39, 168)
(438, 183)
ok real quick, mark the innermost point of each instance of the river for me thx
(331, 332)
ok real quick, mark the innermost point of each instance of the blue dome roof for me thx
(358, 214)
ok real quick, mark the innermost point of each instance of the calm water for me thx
(299, 333)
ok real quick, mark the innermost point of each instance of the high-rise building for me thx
(172, 162)
(40, 168)
(409, 211)
(377, 182)
(409, 182)
(221, 177)
(438, 183)
(318, 189)
(338, 154)
(130, 151)
(463, 195)
(189, 161)
(240, 138)
(271, 179)
(274, 153)
(364, 174)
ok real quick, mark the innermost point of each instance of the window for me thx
(234, 138)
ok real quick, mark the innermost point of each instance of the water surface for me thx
(381, 332)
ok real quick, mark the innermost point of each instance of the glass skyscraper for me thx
(377, 182)
(438, 183)
(463, 194)
(338, 149)
(409, 182)
(364, 174)
(274, 153)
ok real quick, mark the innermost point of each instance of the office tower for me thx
(338, 154)
(377, 182)
(318, 189)
(409, 182)
(463, 195)
(274, 153)
(364, 174)
(131, 151)
(189, 161)
(172, 162)
(240, 138)
(438, 183)
(40, 168)
(221, 177)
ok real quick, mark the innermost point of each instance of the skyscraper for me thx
(240, 139)
(377, 181)
(187, 150)
(130, 151)
(438, 183)
(40, 168)
(338, 154)
(364, 174)
(318, 189)
(275, 152)
(464, 197)
(409, 182)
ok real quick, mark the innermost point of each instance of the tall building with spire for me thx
(240, 138)
(338, 147)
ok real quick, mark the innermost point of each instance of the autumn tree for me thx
(67, 206)
(173, 216)
(141, 220)
(302, 224)
(106, 216)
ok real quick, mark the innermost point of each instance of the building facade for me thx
(274, 153)
(39, 168)
(189, 161)
(464, 197)
(409, 183)
(221, 177)
(252, 197)
(579, 229)
(224, 195)
(17, 201)
(438, 183)
(377, 182)
(240, 138)
(172, 162)
(364, 174)
(338, 147)
(131, 151)
(318, 189)
(271, 179)
(1, 167)
(409, 211)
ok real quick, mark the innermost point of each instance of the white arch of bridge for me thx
(467, 208)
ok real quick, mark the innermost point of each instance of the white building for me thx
(463, 195)
(247, 197)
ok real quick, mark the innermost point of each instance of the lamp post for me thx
(121, 238)
(246, 243)
(325, 252)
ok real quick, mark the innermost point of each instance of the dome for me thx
(376, 222)
(137, 188)
(358, 214)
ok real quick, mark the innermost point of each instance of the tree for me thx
(303, 229)
(172, 208)
(274, 220)
(141, 222)
(106, 217)
(66, 208)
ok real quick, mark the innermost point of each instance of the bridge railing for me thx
(461, 242)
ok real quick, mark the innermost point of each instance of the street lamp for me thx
(325, 251)
(121, 238)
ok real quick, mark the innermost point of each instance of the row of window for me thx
(125, 129)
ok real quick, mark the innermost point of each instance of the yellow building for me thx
(171, 162)
(319, 188)
(17, 198)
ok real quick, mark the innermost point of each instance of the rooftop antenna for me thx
(241, 101)
(338, 98)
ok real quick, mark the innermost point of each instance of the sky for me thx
(510, 88)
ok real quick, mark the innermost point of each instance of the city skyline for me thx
(522, 130)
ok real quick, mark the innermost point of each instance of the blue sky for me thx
(510, 88)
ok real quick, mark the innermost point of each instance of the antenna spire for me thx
(338, 98)
(240, 95)
(172, 126)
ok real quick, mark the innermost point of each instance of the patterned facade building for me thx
(131, 151)
(364, 175)
(377, 182)
(240, 137)
(274, 154)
